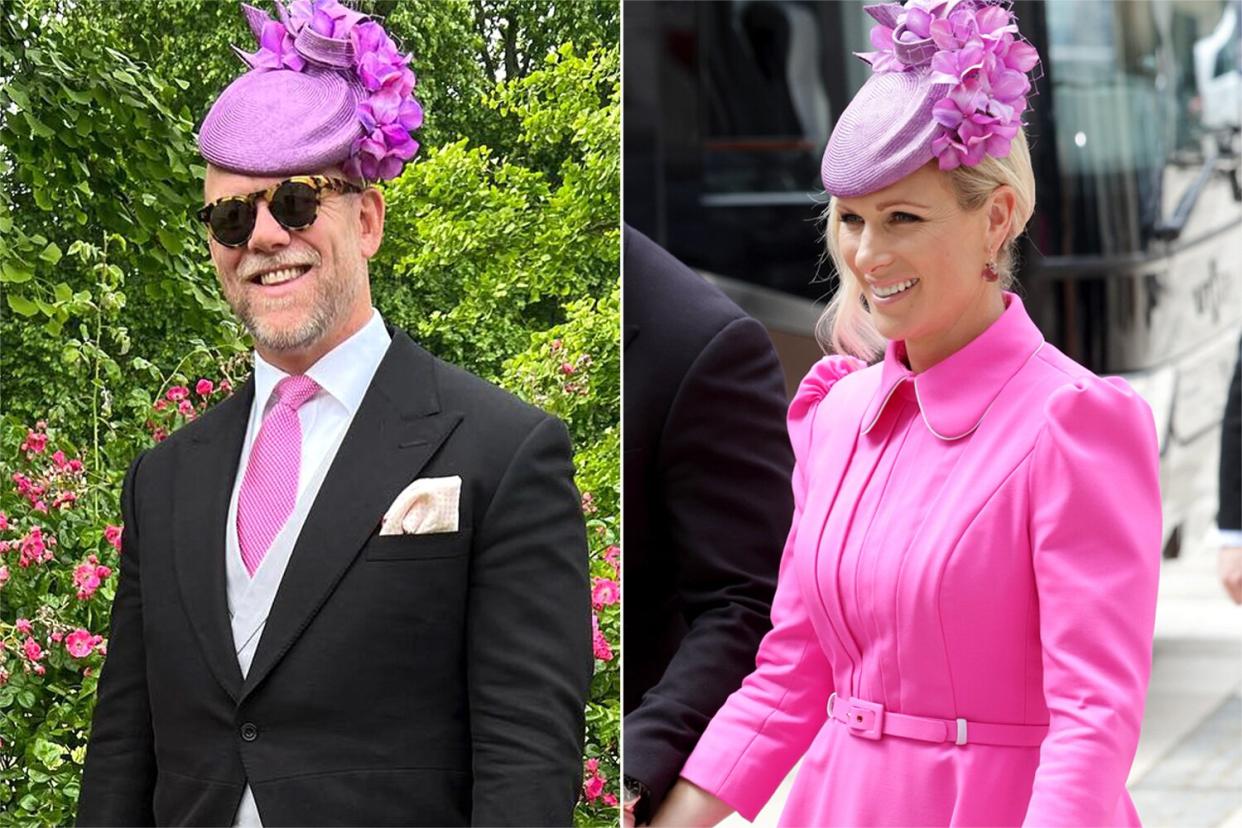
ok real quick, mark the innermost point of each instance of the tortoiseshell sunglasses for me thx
(294, 203)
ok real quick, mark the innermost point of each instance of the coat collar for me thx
(954, 394)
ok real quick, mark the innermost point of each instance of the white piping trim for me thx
(884, 404)
(971, 430)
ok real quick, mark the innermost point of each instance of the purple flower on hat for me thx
(973, 45)
(326, 17)
(276, 49)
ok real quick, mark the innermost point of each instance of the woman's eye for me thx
(905, 217)
(849, 218)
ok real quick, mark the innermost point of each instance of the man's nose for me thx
(268, 233)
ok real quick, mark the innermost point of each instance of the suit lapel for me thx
(200, 515)
(398, 427)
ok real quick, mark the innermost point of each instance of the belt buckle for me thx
(865, 719)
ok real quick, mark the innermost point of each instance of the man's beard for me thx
(333, 293)
(332, 296)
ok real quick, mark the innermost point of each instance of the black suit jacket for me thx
(708, 503)
(401, 680)
(1230, 514)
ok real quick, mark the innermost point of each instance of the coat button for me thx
(249, 731)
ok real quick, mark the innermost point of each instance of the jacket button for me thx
(249, 732)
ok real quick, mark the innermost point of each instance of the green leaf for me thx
(78, 96)
(14, 273)
(26, 698)
(51, 254)
(50, 754)
(38, 127)
(42, 199)
(17, 96)
(30, 802)
(62, 292)
(170, 241)
(21, 305)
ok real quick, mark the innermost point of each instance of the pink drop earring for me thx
(989, 272)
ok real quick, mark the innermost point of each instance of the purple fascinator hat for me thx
(949, 82)
(327, 86)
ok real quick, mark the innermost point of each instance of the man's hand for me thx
(1229, 565)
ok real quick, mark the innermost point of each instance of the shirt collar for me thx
(344, 373)
(954, 394)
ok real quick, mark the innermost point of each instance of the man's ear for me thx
(371, 221)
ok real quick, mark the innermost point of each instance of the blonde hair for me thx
(845, 326)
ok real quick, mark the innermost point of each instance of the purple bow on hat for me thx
(961, 88)
(327, 86)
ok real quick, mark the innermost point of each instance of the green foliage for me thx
(69, 102)
(501, 254)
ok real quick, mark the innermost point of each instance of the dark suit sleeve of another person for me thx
(529, 659)
(724, 467)
(118, 782)
(1230, 516)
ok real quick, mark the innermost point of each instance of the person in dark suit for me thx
(356, 591)
(707, 499)
(1229, 518)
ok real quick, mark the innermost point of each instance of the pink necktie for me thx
(270, 487)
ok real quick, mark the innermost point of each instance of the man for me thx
(1229, 517)
(707, 507)
(356, 591)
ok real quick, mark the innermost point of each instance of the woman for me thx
(962, 629)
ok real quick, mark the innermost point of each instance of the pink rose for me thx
(599, 644)
(23, 626)
(567, 368)
(32, 649)
(34, 443)
(112, 534)
(606, 593)
(39, 669)
(610, 800)
(59, 459)
(204, 388)
(79, 643)
(185, 407)
(75, 465)
(613, 556)
(86, 579)
(4, 575)
(57, 637)
(593, 788)
(4, 521)
(177, 393)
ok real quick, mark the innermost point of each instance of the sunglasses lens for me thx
(294, 204)
(232, 222)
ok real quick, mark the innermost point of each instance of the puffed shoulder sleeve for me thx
(753, 741)
(1095, 530)
(813, 388)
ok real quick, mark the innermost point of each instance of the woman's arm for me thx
(690, 806)
(1095, 535)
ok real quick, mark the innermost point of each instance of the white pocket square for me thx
(426, 506)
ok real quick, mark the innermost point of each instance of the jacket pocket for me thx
(427, 547)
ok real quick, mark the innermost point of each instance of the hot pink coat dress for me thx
(972, 572)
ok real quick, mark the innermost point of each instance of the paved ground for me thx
(1188, 769)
